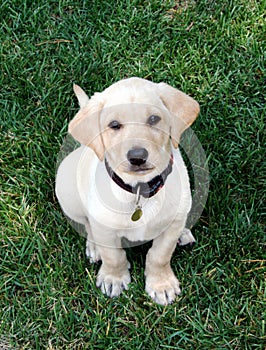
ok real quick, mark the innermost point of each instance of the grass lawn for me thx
(212, 50)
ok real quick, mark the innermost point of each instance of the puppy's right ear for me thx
(85, 126)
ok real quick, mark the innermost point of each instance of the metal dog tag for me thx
(137, 214)
(138, 211)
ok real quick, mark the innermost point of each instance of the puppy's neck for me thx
(146, 189)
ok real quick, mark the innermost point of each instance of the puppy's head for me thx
(133, 124)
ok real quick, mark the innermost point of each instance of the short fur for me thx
(88, 196)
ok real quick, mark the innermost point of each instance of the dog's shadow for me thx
(136, 254)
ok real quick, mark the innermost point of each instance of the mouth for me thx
(134, 169)
(140, 169)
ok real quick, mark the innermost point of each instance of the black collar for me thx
(147, 189)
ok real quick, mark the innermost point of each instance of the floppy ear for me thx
(183, 110)
(84, 127)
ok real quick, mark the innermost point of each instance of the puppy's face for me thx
(136, 137)
(132, 124)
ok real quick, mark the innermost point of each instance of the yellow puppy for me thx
(128, 180)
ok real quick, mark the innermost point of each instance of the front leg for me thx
(161, 283)
(113, 276)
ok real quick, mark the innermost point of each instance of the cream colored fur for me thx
(88, 196)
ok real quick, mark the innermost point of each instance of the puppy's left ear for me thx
(183, 110)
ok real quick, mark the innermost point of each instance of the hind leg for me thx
(92, 251)
(186, 238)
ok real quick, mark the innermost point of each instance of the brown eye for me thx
(115, 125)
(153, 120)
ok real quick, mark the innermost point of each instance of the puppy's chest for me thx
(116, 214)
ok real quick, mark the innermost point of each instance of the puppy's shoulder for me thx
(79, 157)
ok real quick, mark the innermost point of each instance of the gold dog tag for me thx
(138, 211)
(137, 214)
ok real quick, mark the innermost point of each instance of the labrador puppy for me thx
(128, 180)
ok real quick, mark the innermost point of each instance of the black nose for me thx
(137, 156)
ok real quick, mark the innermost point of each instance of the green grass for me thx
(212, 50)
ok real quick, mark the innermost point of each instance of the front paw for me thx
(162, 287)
(112, 283)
